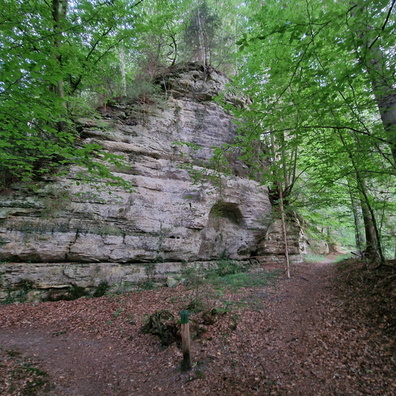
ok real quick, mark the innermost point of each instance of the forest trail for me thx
(297, 337)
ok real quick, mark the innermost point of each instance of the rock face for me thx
(273, 247)
(183, 208)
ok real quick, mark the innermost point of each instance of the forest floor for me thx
(329, 330)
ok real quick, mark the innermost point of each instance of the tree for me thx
(375, 38)
(310, 79)
(50, 52)
(200, 32)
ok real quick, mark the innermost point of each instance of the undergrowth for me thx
(242, 280)
(210, 286)
(318, 258)
(216, 292)
(229, 274)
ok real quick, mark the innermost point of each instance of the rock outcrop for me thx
(183, 209)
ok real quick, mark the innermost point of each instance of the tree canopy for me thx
(321, 129)
(321, 75)
(51, 54)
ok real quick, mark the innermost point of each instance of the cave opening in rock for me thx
(228, 211)
(224, 232)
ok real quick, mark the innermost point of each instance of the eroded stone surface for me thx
(75, 234)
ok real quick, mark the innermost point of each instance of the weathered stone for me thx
(72, 233)
(316, 246)
(171, 282)
(272, 246)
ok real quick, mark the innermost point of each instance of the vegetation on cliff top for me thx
(321, 131)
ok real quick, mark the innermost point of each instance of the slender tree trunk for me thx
(371, 249)
(201, 37)
(373, 238)
(123, 71)
(59, 11)
(284, 231)
(357, 219)
(281, 174)
(394, 256)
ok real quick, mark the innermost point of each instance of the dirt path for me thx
(295, 338)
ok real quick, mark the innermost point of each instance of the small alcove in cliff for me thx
(225, 233)
(227, 210)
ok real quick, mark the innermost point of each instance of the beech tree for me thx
(322, 74)
(321, 129)
(374, 24)
(50, 52)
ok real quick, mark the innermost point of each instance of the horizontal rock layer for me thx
(51, 281)
(183, 208)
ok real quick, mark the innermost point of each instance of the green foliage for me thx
(188, 30)
(76, 292)
(17, 293)
(311, 68)
(73, 293)
(143, 90)
(101, 289)
(117, 313)
(48, 58)
(200, 32)
(147, 285)
(31, 379)
(35, 370)
(196, 305)
(25, 284)
(225, 274)
(316, 258)
(333, 224)
(241, 280)
(226, 267)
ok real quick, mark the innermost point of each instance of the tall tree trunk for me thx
(385, 94)
(394, 257)
(371, 249)
(380, 71)
(202, 57)
(59, 11)
(281, 177)
(284, 231)
(357, 219)
(123, 71)
(373, 238)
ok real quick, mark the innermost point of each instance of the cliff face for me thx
(65, 233)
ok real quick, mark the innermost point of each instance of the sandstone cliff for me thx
(73, 234)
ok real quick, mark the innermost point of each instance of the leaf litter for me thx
(329, 330)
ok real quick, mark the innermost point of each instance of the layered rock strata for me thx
(183, 209)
